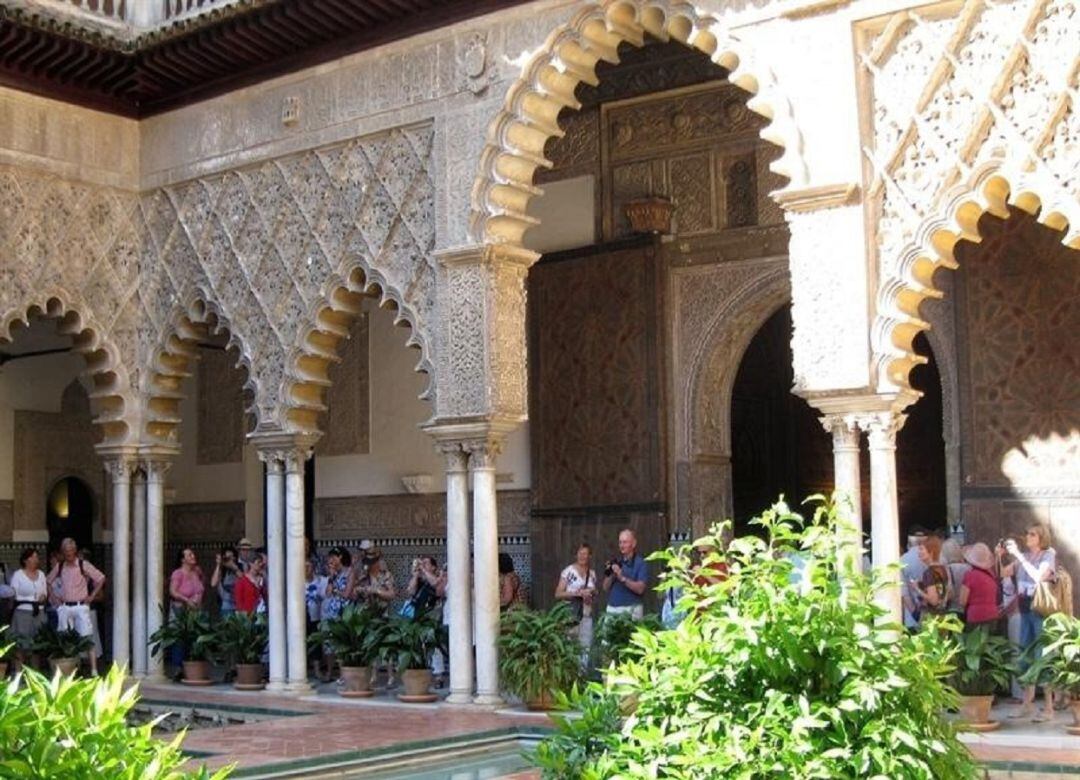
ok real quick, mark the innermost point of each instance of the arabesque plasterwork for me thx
(277, 253)
(974, 106)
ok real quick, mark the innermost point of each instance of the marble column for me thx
(882, 428)
(847, 484)
(294, 600)
(275, 566)
(459, 579)
(119, 469)
(138, 575)
(482, 456)
(155, 558)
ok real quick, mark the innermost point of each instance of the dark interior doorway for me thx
(69, 510)
(777, 444)
(920, 450)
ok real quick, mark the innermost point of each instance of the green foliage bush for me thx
(786, 668)
(355, 637)
(69, 729)
(984, 663)
(191, 630)
(537, 654)
(241, 638)
(409, 642)
(60, 644)
(1059, 664)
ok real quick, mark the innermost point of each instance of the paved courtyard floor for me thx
(325, 730)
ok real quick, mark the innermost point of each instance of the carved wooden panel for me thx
(347, 421)
(596, 402)
(1019, 314)
(220, 399)
(695, 145)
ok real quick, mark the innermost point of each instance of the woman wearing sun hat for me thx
(979, 588)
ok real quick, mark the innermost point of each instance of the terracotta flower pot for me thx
(542, 703)
(197, 673)
(65, 665)
(249, 677)
(417, 684)
(357, 681)
(650, 215)
(975, 713)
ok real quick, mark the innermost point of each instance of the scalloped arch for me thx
(569, 56)
(991, 189)
(173, 361)
(731, 329)
(318, 344)
(111, 391)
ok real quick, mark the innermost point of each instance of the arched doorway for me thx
(776, 441)
(69, 512)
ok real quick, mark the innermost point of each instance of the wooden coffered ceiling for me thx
(222, 50)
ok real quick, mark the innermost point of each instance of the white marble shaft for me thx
(486, 577)
(155, 559)
(138, 576)
(294, 598)
(459, 579)
(275, 570)
(885, 515)
(120, 474)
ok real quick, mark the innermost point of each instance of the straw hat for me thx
(979, 556)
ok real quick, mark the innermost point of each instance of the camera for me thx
(607, 567)
(416, 563)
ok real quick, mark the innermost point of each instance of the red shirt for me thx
(982, 596)
(246, 595)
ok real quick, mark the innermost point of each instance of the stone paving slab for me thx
(324, 724)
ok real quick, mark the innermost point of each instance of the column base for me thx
(277, 686)
(299, 688)
(154, 678)
(459, 697)
(488, 700)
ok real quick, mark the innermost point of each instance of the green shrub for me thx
(409, 642)
(984, 663)
(355, 637)
(1059, 664)
(537, 655)
(786, 668)
(241, 638)
(68, 729)
(611, 639)
(189, 629)
(60, 644)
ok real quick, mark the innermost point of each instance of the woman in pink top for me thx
(186, 583)
(979, 588)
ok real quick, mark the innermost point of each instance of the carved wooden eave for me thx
(826, 196)
(109, 68)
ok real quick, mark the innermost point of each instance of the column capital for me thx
(844, 429)
(453, 452)
(155, 467)
(482, 452)
(286, 451)
(121, 467)
(881, 428)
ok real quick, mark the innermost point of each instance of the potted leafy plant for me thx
(241, 640)
(354, 638)
(409, 643)
(983, 664)
(190, 630)
(62, 648)
(537, 655)
(1059, 665)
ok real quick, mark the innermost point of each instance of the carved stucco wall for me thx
(266, 247)
(972, 106)
(717, 308)
(51, 446)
